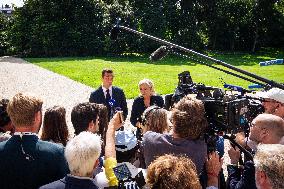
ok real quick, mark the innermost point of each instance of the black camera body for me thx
(231, 117)
(226, 113)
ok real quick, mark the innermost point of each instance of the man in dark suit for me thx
(108, 93)
(26, 161)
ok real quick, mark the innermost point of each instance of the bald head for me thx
(267, 128)
(272, 122)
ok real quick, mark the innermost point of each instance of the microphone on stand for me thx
(160, 53)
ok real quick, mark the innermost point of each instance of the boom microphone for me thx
(160, 53)
(115, 30)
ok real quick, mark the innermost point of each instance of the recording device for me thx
(120, 113)
(125, 178)
(225, 112)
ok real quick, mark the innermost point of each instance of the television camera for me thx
(229, 113)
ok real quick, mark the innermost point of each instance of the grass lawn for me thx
(130, 70)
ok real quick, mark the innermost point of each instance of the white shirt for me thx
(110, 91)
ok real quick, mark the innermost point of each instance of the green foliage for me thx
(59, 28)
(81, 27)
(4, 40)
(125, 43)
(130, 70)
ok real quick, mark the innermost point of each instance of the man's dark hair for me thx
(82, 114)
(106, 70)
(4, 117)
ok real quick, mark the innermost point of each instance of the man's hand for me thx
(213, 167)
(115, 122)
(234, 155)
(214, 164)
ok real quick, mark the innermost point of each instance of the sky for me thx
(18, 3)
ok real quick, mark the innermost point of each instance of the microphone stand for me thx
(262, 79)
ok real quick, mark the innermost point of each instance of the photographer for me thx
(189, 124)
(265, 129)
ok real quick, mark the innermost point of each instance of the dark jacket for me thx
(29, 163)
(98, 97)
(71, 182)
(238, 179)
(139, 107)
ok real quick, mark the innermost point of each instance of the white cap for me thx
(274, 94)
(125, 140)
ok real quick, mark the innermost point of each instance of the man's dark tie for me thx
(107, 96)
(107, 102)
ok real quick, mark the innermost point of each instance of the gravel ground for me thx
(17, 75)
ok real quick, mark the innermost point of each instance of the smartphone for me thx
(120, 113)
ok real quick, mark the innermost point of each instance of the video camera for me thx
(229, 113)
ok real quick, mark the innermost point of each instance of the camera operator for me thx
(274, 101)
(189, 124)
(265, 129)
(273, 104)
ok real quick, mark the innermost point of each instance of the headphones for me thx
(145, 115)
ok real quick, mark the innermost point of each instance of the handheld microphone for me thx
(115, 30)
(160, 53)
(111, 104)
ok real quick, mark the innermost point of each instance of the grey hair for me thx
(270, 159)
(81, 153)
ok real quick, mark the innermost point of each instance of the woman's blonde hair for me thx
(149, 83)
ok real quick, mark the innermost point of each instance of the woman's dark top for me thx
(139, 107)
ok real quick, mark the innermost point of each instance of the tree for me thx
(4, 42)
(59, 28)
